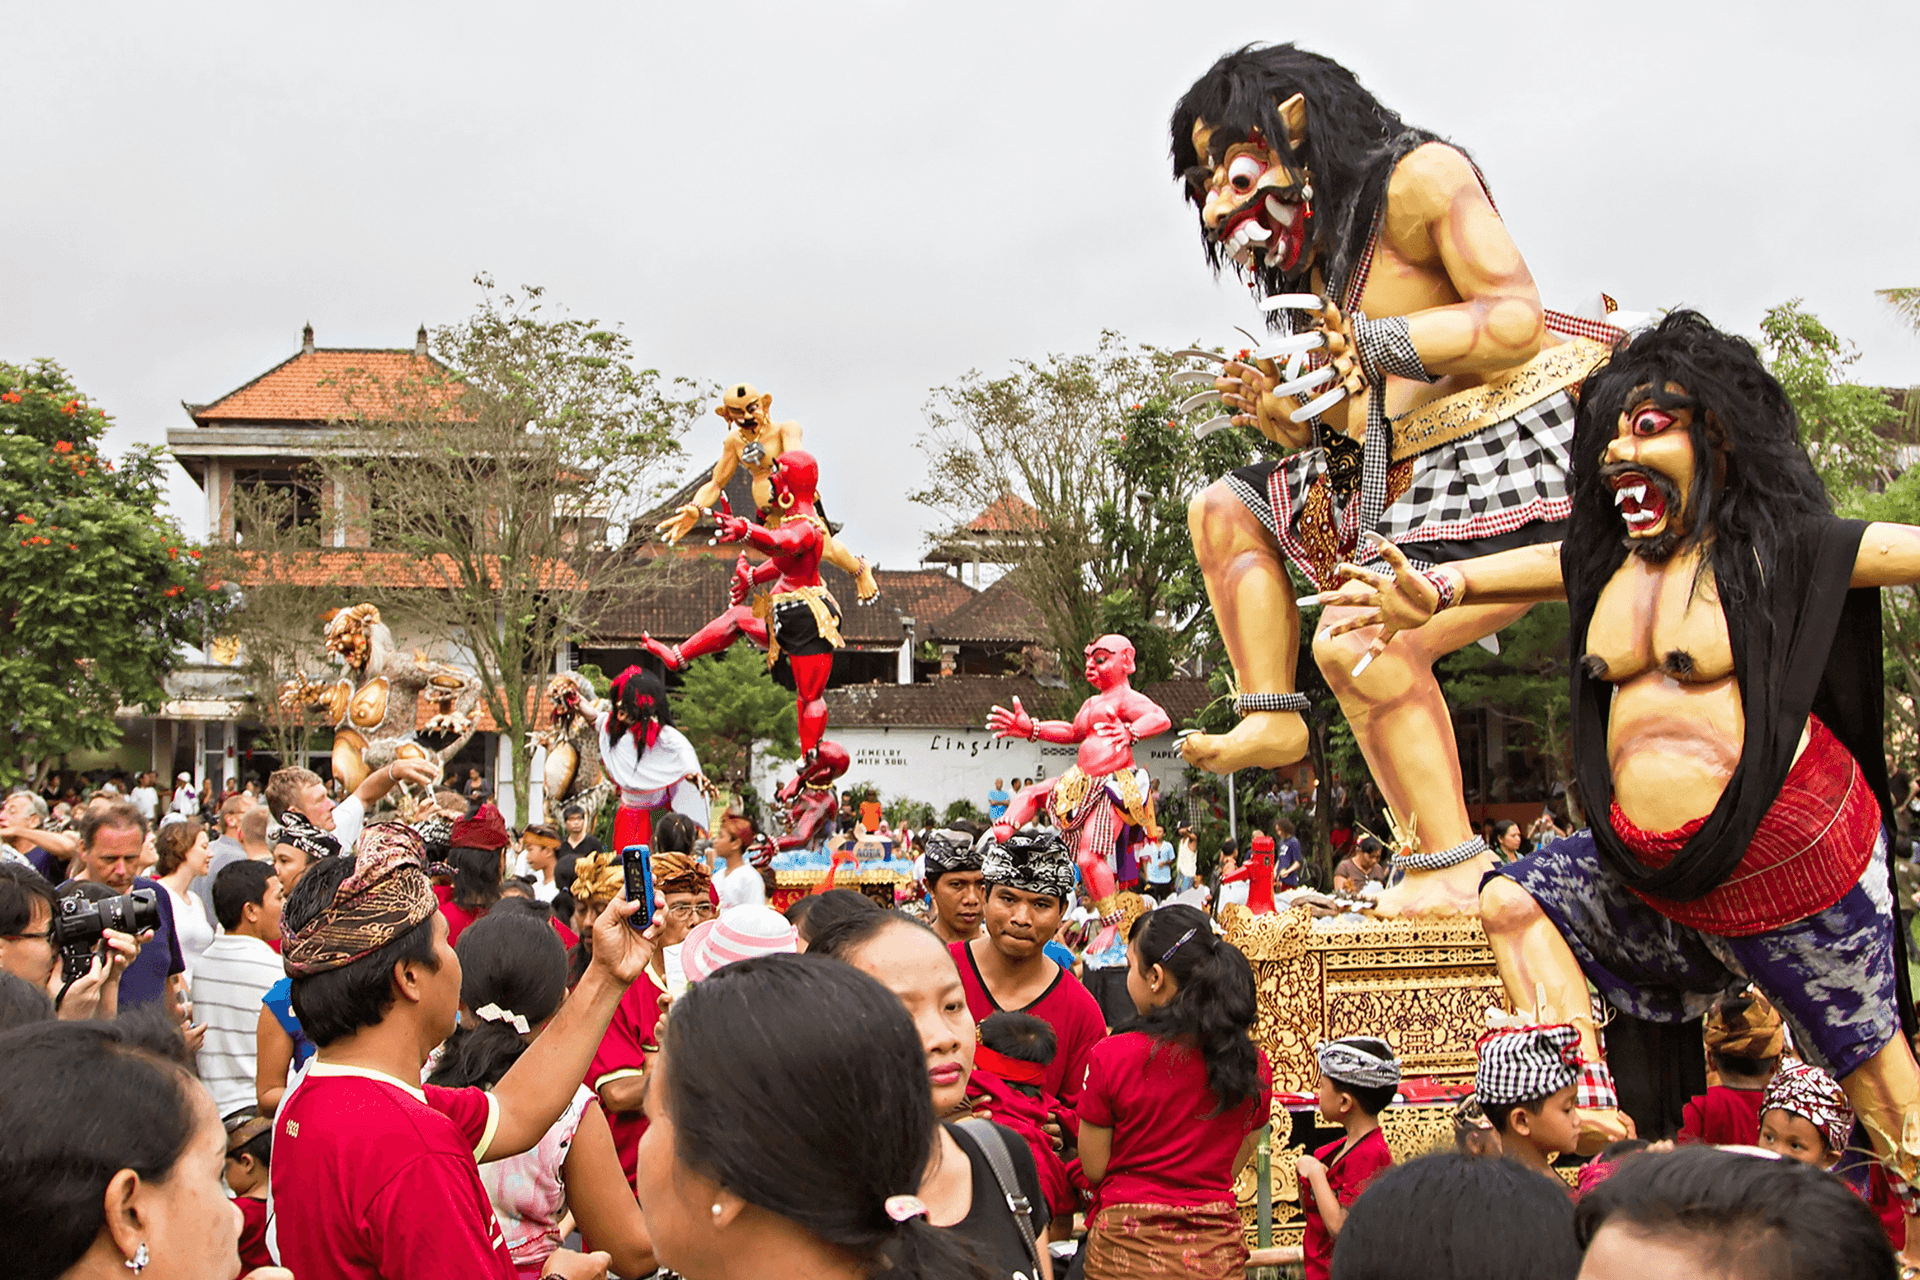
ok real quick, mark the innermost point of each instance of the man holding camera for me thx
(112, 836)
(29, 950)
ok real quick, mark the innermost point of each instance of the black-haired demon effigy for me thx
(1726, 725)
(1427, 395)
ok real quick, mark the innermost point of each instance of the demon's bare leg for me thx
(1401, 722)
(1254, 608)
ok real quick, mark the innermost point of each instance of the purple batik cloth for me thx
(1830, 975)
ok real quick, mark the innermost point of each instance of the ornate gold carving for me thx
(1463, 413)
(1424, 984)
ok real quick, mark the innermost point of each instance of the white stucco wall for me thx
(940, 766)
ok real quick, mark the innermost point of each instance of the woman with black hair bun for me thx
(513, 976)
(1171, 1106)
(791, 1124)
(110, 1162)
(960, 1188)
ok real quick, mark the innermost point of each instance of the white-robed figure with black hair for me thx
(649, 762)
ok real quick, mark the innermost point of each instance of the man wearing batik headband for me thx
(956, 885)
(1358, 1078)
(382, 1170)
(1029, 881)
(1528, 1081)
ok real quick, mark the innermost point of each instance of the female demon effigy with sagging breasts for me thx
(1427, 394)
(1727, 728)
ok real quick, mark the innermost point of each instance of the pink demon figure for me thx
(649, 761)
(798, 618)
(1104, 793)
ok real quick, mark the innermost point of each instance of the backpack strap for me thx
(993, 1144)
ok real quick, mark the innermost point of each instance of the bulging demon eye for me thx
(1244, 172)
(1651, 422)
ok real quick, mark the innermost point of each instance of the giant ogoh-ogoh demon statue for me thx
(754, 440)
(1102, 804)
(1727, 733)
(1425, 392)
(798, 618)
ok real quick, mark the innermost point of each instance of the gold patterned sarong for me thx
(1461, 414)
(1137, 1241)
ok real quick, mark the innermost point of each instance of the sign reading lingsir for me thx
(940, 766)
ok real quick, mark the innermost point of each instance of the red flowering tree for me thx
(98, 591)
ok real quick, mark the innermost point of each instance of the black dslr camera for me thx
(80, 923)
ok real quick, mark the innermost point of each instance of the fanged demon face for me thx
(745, 407)
(1253, 206)
(1649, 465)
(1109, 661)
(567, 693)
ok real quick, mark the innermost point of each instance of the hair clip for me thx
(903, 1208)
(1184, 939)
(494, 1013)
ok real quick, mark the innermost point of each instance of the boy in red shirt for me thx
(249, 1152)
(1529, 1082)
(1358, 1079)
(378, 1174)
(1744, 1038)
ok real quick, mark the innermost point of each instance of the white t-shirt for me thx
(349, 817)
(741, 887)
(147, 801)
(232, 975)
(190, 927)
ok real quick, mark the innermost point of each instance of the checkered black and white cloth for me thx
(1509, 475)
(1526, 1064)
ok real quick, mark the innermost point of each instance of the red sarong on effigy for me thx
(1812, 846)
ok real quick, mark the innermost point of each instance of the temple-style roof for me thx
(309, 387)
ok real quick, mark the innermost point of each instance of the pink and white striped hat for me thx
(740, 934)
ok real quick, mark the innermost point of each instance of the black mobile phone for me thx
(636, 865)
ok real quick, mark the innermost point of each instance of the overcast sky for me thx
(851, 204)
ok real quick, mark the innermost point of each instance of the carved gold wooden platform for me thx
(1424, 985)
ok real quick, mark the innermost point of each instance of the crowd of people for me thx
(380, 1034)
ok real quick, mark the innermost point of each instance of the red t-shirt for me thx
(1723, 1116)
(619, 1056)
(1167, 1146)
(253, 1234)
(1347, 1176)
(374, 1179)
(1066, 1006)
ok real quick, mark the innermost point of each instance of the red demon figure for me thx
(1104, 795)
(797, 617)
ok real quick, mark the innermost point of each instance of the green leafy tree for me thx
(500, 475)
(98, 593)
(1840, 421)
(1845, 427)
(726, 704)
(1092, 442)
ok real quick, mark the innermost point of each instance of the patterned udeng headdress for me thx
(1814, 1096)
(1362, 1061)
(1031, 864)
(387, 894)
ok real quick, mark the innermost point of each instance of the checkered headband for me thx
(1526, 1064)
(1814, 1096)
(1361, 1061)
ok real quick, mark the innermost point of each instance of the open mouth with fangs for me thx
(1641, 498)
(1267, 232)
